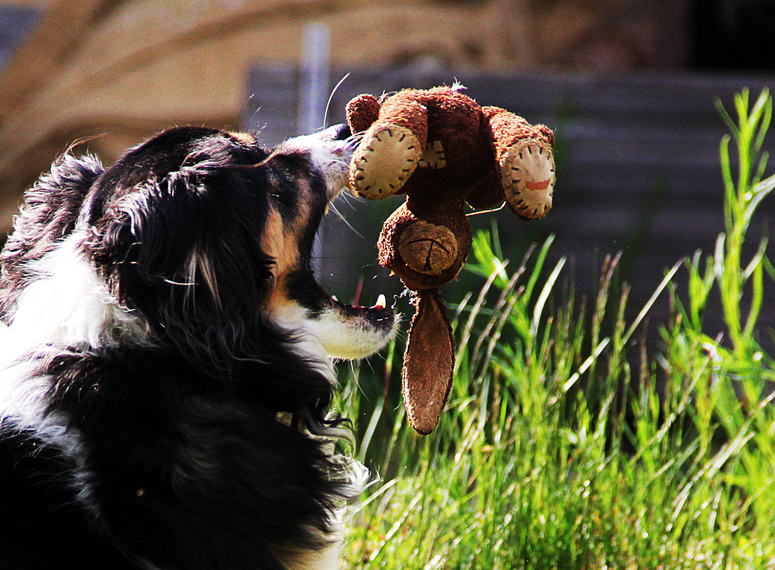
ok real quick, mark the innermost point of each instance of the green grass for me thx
(565, 443)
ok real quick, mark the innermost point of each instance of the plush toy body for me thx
(442, 150)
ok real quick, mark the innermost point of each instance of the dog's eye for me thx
(282, 191)
(274, 180)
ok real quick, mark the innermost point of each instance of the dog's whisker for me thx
(180, 283)
(331, 97)
(354, 139)
(347, 223)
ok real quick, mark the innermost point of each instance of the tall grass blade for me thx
(544, 295)
(650, 303)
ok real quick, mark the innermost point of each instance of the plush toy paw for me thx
(527, 169)
(385, 158)
(427, 248)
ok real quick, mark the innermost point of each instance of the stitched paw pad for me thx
(427, 248)
(433, 156)
(528, 175)
(386, 157)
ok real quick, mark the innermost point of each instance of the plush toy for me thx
(442, 150)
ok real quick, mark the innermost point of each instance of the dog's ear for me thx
(185, 252)
(48, 214)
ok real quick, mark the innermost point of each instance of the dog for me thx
(165, 360)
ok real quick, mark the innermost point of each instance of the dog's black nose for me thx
(341, 132)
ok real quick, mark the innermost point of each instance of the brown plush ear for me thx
(429, 361)
(361, 112)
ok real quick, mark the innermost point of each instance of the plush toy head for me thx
(442, 150)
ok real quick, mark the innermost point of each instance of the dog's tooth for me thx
(381, 301)
(334, 298)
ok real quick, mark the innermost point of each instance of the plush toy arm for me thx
(390, 150)
(526, 161)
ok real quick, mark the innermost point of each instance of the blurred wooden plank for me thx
(114, 69)
(16, 23)
(37, 60)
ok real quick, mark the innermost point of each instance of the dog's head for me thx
(209, 238)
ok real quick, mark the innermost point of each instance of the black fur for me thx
(147, 218)
(49, 214)
(187, 464)
(206, 465)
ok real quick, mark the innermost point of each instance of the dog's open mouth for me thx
(379, 313)
(352, 331)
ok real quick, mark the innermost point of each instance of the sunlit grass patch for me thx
(565, 443)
